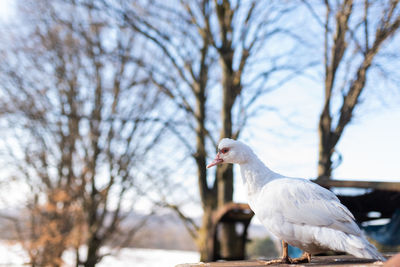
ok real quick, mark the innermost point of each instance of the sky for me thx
(6, 10)
(370, 146)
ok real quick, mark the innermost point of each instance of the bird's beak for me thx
(216, 161)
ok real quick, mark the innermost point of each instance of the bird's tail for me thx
(359, 247)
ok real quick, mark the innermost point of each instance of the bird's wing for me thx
(302, 202)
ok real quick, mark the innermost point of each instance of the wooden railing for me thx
(387, 186)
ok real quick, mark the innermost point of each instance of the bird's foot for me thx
(284, 260)
(305, 258)
(299, 260)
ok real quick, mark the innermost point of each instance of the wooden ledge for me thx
(319, 261)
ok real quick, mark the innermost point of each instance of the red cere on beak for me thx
(216, 161)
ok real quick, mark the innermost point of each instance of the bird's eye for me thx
(224, 150)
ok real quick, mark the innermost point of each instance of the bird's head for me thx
(231, 151)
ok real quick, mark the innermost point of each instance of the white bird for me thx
(298, 211)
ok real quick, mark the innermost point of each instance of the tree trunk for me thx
(324, 162)
(325, 144)
(225, 171)
(205, 238)
(228, 238)
(92, 254)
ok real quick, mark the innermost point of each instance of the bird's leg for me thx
(305, 258)
(285, 252)
(285, 256)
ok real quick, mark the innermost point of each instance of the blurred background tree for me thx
(357, 37)
(73, 103)
(213, 63)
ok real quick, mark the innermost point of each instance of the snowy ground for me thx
(13, 255)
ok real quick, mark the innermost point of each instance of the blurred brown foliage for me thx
(76, 116)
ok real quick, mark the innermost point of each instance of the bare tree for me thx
(354, 37)
(73, 105)
(213, 63)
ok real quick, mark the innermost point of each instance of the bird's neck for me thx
(255, 175)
